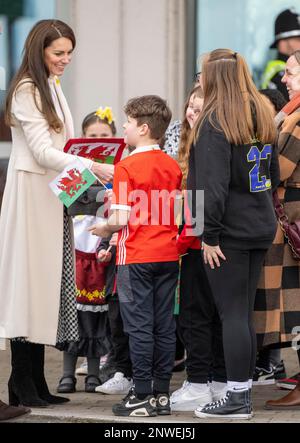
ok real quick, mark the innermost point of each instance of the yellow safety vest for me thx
(273, 67)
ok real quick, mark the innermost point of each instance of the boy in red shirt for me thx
(145, 192)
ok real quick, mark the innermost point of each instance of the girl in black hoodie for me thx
(233, 160)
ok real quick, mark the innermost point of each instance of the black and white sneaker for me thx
(131, 406)
(235, 405)
(163, 404)
(279, 371)
(263, 376)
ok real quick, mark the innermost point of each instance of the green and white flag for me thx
(72, 182)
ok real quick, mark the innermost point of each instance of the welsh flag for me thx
(72, 182)
(101, 150)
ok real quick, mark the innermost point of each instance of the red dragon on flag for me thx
(73, 183)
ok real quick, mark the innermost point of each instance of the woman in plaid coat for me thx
(277, 308)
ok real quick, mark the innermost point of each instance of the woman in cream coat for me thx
(37, 300)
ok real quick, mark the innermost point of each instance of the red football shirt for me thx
(147, 183)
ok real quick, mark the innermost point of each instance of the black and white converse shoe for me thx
(235, 405)
(131, 406)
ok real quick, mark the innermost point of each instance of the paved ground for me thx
(97, 407)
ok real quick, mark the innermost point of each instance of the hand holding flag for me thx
(104, 172)
(72, 182)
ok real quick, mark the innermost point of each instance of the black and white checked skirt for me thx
(67, 331)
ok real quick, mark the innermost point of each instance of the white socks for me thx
(200, 387)
(238, 386)
(217, 386)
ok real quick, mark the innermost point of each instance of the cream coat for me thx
(31, 223)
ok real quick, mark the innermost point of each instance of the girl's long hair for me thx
(34, 68)
(184, 147)
(232, 100)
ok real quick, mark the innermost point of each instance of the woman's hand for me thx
(103, 171)
(211, 255)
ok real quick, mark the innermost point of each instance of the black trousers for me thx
(146, 294)
(199, 323)
(234, 287)
(119, 340)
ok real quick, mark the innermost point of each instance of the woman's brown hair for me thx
(34, 68)
(232, 100)
(184, 147)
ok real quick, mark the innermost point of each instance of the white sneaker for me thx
(83, 368)
(179, 391)
(187, 398)
(117, 385)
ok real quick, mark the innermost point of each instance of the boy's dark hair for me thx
(153, 111)
(275, 97)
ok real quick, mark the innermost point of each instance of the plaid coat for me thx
(277, 304)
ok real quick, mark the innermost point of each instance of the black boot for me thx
(21, 387)
(38, 362)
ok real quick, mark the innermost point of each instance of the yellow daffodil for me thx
(105, 114)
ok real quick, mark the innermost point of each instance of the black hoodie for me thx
(238, 182)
